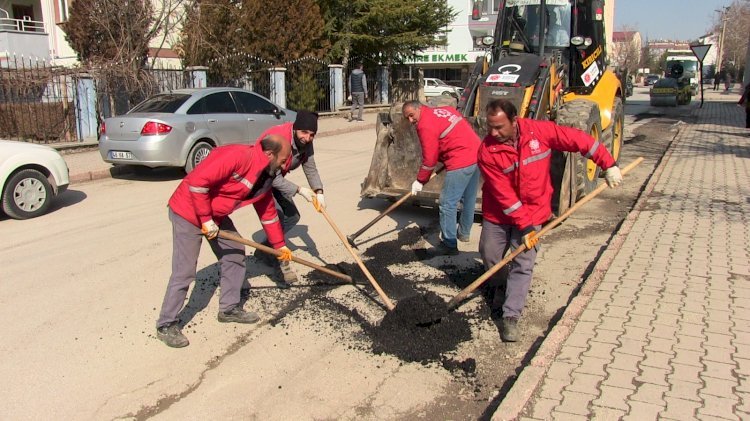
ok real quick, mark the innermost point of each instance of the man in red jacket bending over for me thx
(514, 159)
(446, 137)
(229, 178)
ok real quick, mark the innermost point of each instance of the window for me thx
(63, 7)
(253, 104)
(165, 103)
(218, 103)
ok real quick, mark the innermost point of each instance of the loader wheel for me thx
(618, 122)
(564, 168)
(583, 115)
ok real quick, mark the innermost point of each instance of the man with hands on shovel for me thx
(514, 159)
(447, 137)
(229, 178)
(300, 136)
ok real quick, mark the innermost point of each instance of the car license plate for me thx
(120, 155)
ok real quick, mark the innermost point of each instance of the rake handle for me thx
(234, 237)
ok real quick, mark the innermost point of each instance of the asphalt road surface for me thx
(82, 286)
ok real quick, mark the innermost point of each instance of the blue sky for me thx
(668, 19)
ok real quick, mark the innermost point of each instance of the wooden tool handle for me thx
(361, 264)
(398, 203)
(474, 285)
(234, 237)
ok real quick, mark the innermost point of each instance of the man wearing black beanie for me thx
(300, 135)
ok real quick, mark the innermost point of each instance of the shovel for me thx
(454, 302)
(399, 202)
(234, 237)
(361, 264)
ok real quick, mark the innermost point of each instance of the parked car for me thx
(30, 176)
(650, 80)
(180, 128)
(436, 87)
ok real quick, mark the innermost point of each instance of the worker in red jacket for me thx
(445, 136)
(229, 178)
(300, 136)
(514, 159)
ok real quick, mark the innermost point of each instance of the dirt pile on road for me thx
(420, 329)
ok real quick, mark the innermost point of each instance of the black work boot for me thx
(265, 258)
(172, 336)
(443, 250)
(510, 329)
(238, 315)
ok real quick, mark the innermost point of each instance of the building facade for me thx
(34, 29)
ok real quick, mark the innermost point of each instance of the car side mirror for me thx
(277, 112)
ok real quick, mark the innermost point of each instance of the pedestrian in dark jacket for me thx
(229, 178)
(300, 136)
(514, 159)
(745, 99)
(358, 90)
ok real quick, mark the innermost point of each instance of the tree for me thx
(735, 43)
(388, 30)
(110, 31)
(626, 54)
(236, 37)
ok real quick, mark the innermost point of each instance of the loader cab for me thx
(570, 29)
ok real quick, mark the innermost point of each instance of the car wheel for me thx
(27, 194)
(199, 152)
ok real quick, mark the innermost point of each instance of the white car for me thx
(436, 87)
(30, 176)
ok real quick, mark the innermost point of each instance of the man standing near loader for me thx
(445, 136)
(515, 159)
(300, 136)
(358, 91)
(229, 178)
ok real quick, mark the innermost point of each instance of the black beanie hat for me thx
(306, 120)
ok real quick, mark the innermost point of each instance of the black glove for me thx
(529, 238)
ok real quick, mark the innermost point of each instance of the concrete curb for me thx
(532, 375)
(126, 170)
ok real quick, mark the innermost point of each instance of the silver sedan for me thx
(179, 128)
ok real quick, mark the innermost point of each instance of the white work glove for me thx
(613, 176)
(306, 193)
(210, 229)
(321, 200)
(416, 187)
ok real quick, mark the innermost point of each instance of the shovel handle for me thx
(361, 264)
(398, 203)
(453, 303)
(234, 237)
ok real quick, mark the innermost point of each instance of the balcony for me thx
(22, 37)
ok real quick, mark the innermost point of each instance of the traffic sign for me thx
(700, 51)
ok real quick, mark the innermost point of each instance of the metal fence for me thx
(37, 101)
(308, 85)
(43, 103)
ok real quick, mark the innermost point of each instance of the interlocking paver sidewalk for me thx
(666, 334)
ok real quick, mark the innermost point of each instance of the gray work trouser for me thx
(358, 102)
(494, 242)
(186, 245)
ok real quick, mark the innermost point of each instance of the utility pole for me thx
(721, 40)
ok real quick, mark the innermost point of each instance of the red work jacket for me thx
(446, 137)
(517, 187)
(229, 178)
